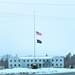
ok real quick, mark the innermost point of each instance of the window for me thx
(19, 65)
(47, 60)
(60, 64)
(52, 64)
(10, 60)
(35, 60)
(43, 65)
(14, 60)
(39, 65)
(43, 60)
(14, 64)
(40, 60)
(31, 60)
(31, 65)
(52, 60)
(56, 64)
(10, 64)
(19, 60)
(27, 60)
(24, 60)
(56, 59)
(60, 59)
(27, 64)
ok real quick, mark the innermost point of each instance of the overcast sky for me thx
(55, 19)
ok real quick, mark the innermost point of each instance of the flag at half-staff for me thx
(39, 41)
(39, 33)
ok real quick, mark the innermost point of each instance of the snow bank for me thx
(37, 71)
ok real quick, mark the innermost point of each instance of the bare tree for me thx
(4, 60)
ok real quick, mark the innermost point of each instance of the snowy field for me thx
(36, 71)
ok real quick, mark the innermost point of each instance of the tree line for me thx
(69, 61)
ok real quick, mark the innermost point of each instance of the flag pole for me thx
(34, 37)
(35, 66)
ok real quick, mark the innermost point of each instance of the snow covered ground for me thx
(36, 71)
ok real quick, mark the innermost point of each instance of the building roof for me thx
(46, 57)
(39, 57)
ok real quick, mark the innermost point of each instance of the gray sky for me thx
(55, 19)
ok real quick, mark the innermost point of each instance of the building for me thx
(57, 62)
(42, 62)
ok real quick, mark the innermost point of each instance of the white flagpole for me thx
(34, 65)
(34, 38)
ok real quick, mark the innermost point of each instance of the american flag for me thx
(38, 33)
